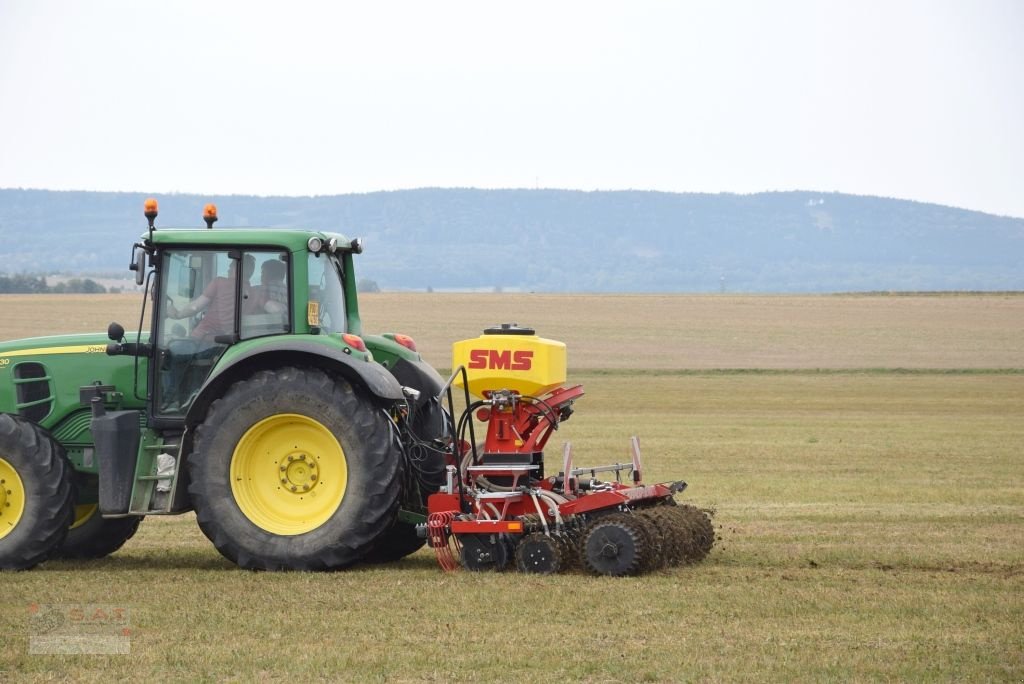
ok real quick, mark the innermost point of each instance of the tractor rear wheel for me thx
(36, 496)
(397, 542)
(294, 469)
(93, 536)
(425, 473)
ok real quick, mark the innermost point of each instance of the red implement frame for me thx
(523, 425)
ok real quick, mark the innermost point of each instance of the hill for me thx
(559, 240)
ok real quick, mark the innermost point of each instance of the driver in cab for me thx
(217, 302)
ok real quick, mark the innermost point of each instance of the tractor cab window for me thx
(196, 304)
(326, 307)
(200, 291)
(266, 303)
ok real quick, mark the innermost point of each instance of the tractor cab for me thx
(207, 300)
(214, 289)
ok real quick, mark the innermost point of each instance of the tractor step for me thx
(151, 471)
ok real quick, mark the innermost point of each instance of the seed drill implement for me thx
(501, 506)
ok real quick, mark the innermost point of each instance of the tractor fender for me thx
(271, 352)
(407, 366)
(420, 375)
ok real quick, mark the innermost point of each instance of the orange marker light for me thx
(210, 214)
(149, 208)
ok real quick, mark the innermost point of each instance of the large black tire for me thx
(425, 473)
(397, 542)
(431, 424)
(313, 435)
(37, 499)
(93, 536)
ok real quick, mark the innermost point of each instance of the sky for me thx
(920, 100)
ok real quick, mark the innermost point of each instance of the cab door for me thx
(196, 301)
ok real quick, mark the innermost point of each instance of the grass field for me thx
(871, 521)
(652, 332)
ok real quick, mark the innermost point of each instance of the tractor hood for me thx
(40, 377)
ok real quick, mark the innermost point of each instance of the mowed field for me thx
(863, 456)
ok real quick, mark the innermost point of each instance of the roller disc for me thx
(569, 544)
(688, 532)
(540, 554)
(673, 536)
(654, 554)
(651, 543)
(700, 533)
(614, 546)
(483, 552)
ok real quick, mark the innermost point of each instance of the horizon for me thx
(157, 195)
(567, 240)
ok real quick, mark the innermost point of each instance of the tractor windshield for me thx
(326, 308)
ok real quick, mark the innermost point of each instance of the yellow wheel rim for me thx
(82, 514)
(288, 474)
(12, 498)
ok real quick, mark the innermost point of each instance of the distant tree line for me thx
(567, 241)
(29, 284)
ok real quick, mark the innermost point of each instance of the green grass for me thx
(870, 529)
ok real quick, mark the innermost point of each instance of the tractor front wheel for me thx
(294, 470)
(36, 497)
(93, 536)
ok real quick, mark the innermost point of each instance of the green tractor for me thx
(253, 398)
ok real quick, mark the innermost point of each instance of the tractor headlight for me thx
(315, 244)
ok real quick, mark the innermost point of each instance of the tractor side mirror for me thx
(140, 267)
(115, 332)
(138, 263)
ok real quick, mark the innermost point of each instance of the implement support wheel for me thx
(540, 554)
(483, 552)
